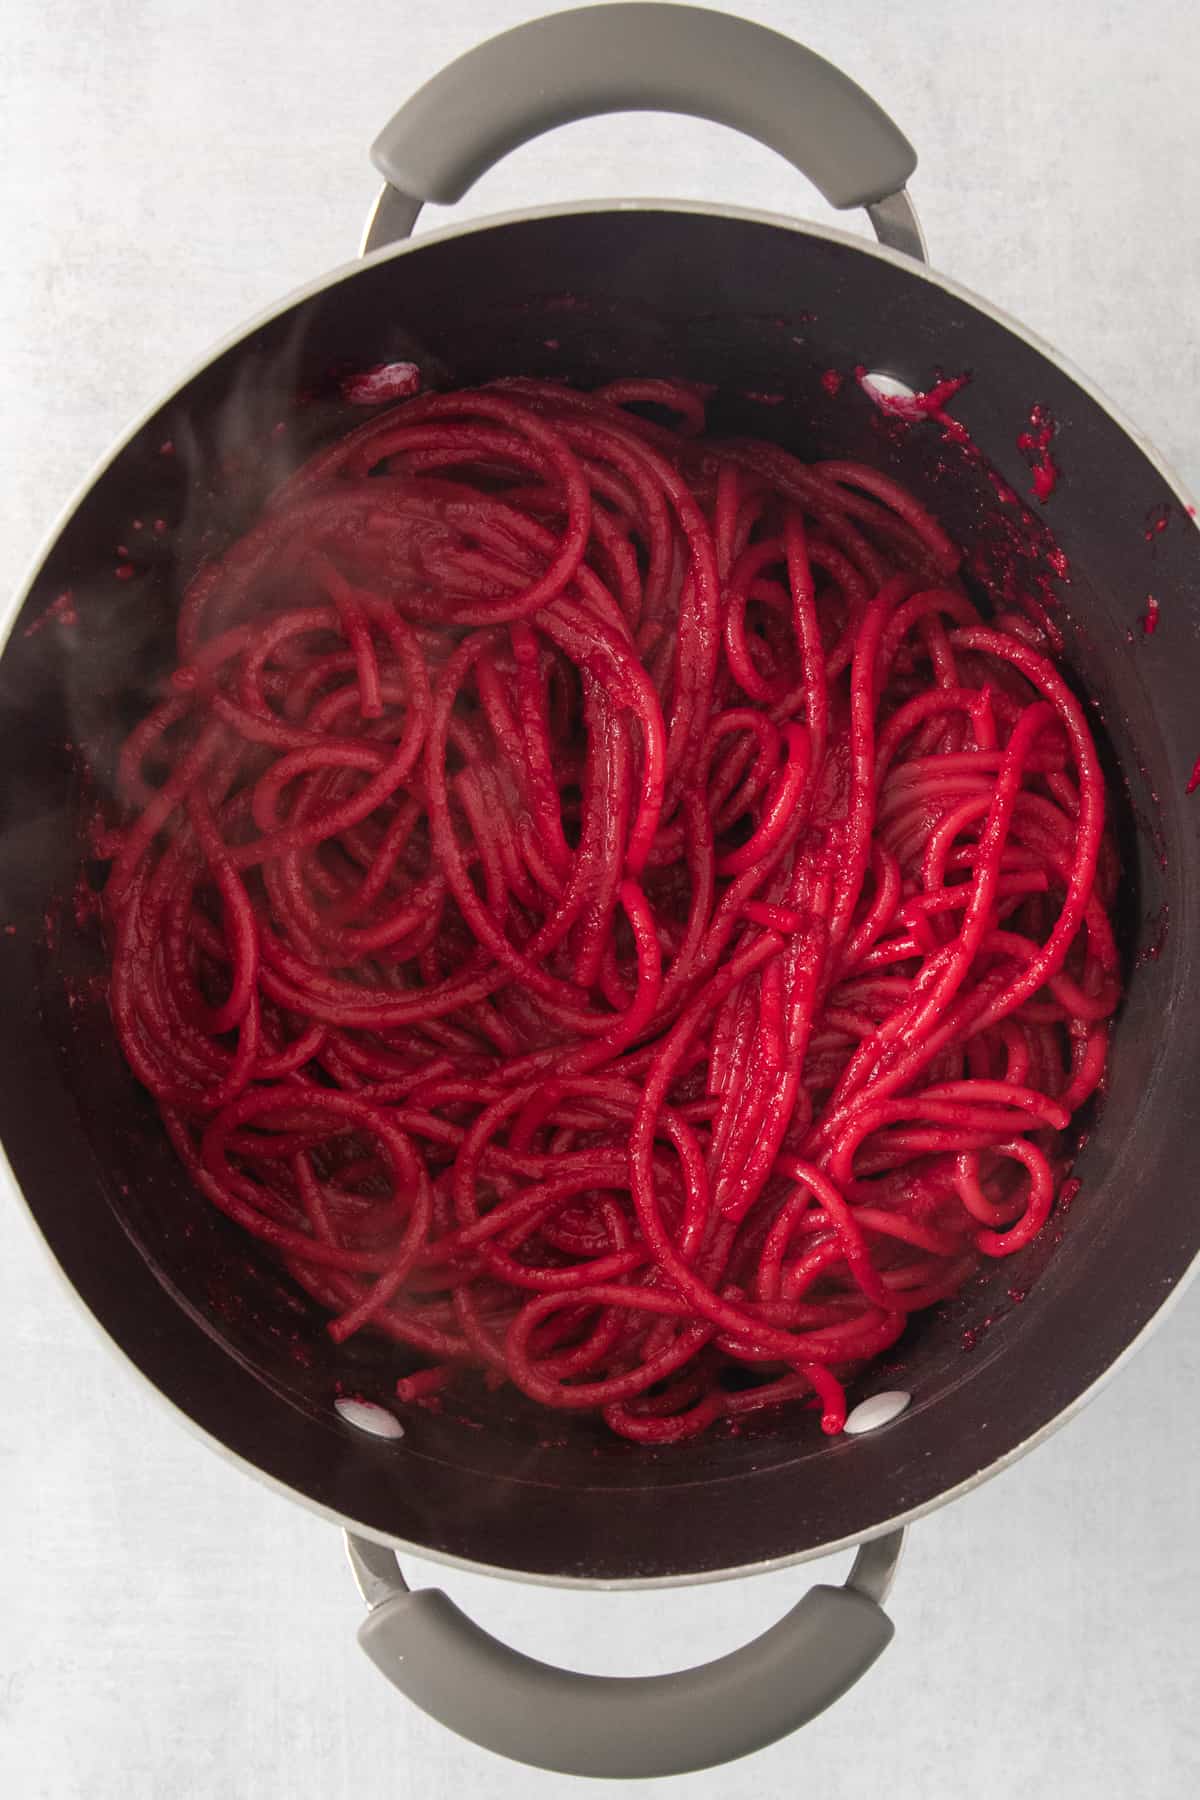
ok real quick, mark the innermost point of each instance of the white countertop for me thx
(169, 1627)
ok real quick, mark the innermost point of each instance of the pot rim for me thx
(408, 246)
(229, 341)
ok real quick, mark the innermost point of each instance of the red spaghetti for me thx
(606, 907)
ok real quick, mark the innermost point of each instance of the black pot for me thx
(761, 306)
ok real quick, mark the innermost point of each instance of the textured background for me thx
(167, 1627)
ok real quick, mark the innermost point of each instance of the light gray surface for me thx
(166, 1626)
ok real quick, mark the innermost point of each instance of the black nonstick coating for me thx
(763, 311)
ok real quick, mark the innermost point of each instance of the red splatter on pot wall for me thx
(1035, 446)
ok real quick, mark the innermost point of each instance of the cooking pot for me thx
(777, 314)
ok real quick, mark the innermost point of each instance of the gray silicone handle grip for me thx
(642, 58)
(634, 1726)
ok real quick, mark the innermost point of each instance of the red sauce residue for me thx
(1150, 616)
(85, 903)
(1157, 520)
(832, 381)
(565, 303)
(136, 524)
(1158, 942)
(1194, 778)
(62, 611)
(125, 571)
(160, 525)
(930, 405)
(1016, 557)
(1016, 1295)
(1006, 495)
(764, 399)
(1035, 446)
(551, 344)
(166, 448)
(1067, 1193)
(387, 381)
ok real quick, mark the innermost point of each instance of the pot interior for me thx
(765, 312)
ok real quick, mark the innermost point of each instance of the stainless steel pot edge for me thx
(742, 1571)
(406, 247)
(345, 272)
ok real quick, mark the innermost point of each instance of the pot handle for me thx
(636, 1726)
(644, 58)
